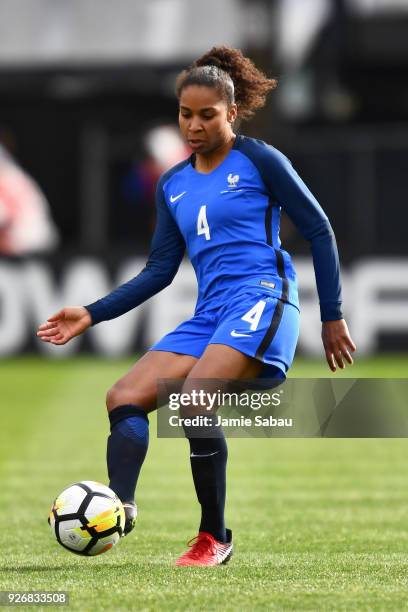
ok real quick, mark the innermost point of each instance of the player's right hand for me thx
(64, 325)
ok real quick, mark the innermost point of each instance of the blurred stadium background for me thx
(87, 111)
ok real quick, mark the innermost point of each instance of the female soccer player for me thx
(223, 204)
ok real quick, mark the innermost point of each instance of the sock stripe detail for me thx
(124, 412)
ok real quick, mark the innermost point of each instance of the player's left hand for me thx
(337, 343)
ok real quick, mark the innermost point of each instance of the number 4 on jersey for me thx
(253, 316)
(202, 223)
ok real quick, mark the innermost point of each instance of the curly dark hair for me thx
(235, 76)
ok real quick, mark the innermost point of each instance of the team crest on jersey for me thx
(232, 183)
(232, 180)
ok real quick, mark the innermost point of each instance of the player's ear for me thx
(232, 113)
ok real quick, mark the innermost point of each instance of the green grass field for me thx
(319, 524)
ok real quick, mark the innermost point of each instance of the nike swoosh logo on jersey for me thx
(177, 197)
(236, 334)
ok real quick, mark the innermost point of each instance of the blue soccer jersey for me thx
(228, 220)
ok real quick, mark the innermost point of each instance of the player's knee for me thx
(117, 396)
(121, 394)
(110, 398)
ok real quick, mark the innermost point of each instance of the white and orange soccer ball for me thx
(87, 518)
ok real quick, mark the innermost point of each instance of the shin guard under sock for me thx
(127, 447)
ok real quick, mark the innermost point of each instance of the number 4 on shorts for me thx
(253, 316)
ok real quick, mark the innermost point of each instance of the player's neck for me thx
(205, 163)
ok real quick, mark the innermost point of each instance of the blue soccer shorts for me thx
(254, 323)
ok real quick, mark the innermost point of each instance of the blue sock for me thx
(208, 458)
(127, 447)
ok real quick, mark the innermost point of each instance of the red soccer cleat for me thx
(206, 550)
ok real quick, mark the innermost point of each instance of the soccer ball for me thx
(87, 518)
